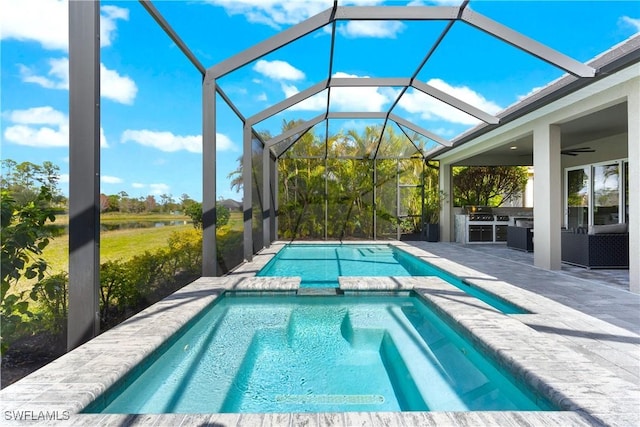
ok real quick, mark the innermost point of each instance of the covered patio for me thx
(571, 126)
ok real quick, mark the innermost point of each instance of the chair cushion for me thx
(608, 229)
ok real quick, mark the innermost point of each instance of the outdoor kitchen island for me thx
(484, 224)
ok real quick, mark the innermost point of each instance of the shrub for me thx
(186, 249)
(51, 296)
(23, 237)
(117, 292)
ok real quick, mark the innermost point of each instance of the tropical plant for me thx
(488, 185)
(344, 184)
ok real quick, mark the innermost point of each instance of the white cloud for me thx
(371, 29)
(42, 127)
(107, 179)
(444, 132)
(42, 137)
(64, 178)
(38, 116)
(58, 74)
(274, 13)
(47, 21)
(278, 70)
(159, 188)
(108, 17)
(279, 13)
(316, 102)
(116, 87)
(155, 189)
(261, 97)
(416, 102)
(113, 86)
(531, 92)
(224, 143)
(343, 98)
(168, 142)
(357, 98)
(633, 22)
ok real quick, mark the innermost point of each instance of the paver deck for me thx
(579, 346)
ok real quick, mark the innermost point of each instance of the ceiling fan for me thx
(576, 151)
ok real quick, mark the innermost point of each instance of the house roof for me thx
(608, 62)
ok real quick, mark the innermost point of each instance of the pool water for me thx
(320, 265)
(316, 354)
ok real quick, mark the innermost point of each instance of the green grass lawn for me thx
(115, 217)
(121, 244)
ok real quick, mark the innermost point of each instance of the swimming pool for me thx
(320, 265)
(316, 354)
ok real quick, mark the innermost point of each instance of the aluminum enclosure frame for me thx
(330, 16)
(84, 120)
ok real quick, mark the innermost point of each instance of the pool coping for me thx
(587, 393)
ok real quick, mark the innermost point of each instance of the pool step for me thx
(318, 291)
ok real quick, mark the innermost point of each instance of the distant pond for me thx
(112, 226)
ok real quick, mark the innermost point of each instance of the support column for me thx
(547, 196)
(398, 227)
(444, 176)
(209, 217)
(266, 197)
(247, 200)
(84, 170)
(326, 198)
(274, 198)
(375, 199)
(633, 126)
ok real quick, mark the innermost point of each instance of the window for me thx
(597, 194)
(578, 197)
(606, 194)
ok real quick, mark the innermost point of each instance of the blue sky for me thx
(151, 94)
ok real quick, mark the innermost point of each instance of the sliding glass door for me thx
(578, 197)
(597, 194)
(606, 194)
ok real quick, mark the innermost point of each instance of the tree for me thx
(166, 200)
(150, 203)
(186, 201)
(104, 202)
(23, 237)
(123, 202)
(488, 185)
(194, 211)
(236, 176)
(24, 180)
